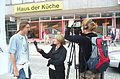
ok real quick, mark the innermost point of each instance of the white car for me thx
(115, 59)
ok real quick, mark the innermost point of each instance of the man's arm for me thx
(13, 61)
(12, 50)
(73, 38)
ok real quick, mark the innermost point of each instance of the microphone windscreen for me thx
(35, 43)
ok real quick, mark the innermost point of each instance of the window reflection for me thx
(51, 28)
(34, 31)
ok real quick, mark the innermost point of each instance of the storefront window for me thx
(77, 16)
(118, 14)
(68, 17)
(44, 18)
(51, 28)
(118, 29)
(94, 15)
(118, 22)
(11, 28)
(56, 17)
(106, 14)
(25, 19)
(34, 31)
(16, 1)
(35, 19)
(104, 25)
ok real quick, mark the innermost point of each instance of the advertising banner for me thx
(36, 7)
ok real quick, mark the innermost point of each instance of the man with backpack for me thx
(85, 47)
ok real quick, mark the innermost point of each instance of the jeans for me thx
(22, 74)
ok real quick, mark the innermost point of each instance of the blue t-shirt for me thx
(19, 46)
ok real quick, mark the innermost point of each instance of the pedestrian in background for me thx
(19, 52)
(113, 36)
(46, 38)
(56, 56)
(117, 35)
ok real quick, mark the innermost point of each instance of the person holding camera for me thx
(85, 45)
(56, 56)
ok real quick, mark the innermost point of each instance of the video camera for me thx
(75, 26)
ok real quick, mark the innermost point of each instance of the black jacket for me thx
(85, 47)
(56, 57)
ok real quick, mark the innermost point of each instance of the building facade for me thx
(52, 16)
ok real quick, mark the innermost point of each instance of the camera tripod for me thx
(71, 58)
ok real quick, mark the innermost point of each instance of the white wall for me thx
(75, 4)
(3, 46)
(9, 10)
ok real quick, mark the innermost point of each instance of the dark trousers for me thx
(53, 74)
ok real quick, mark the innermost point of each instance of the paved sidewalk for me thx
(40, 71)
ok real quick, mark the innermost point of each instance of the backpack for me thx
(99, 59)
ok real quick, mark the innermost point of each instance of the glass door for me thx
(11, 28)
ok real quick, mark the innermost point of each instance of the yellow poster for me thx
(35, 7)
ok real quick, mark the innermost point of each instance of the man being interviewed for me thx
(19, 53)
(56, 56)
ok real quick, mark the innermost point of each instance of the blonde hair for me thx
(91, 22)
(60, 38)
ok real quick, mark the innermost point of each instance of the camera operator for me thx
(85, 45)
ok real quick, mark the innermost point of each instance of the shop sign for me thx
(35, 7)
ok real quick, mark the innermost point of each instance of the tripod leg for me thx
(76, 73)
(68, 71)
(79, 75)
(102, 76)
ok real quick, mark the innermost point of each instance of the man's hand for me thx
(16, 72)
(13, 61)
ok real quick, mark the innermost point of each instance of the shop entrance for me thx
(11, 28)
